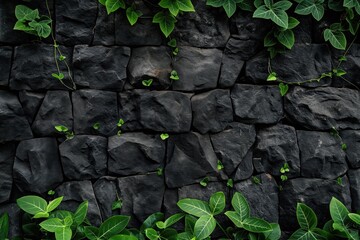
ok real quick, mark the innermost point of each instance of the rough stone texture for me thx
(276, 146)
(316, 193)
(100, 67)
(263, 103)
(354, 179)
(352, 140)
(104, 31)
(212, 111)
(13, 123)
(37, 167)
(150, 63)
(142, 195)
(321, 155)
(7, 154)
(207, 27)
(40, 57)
(75, 20)
(84, 157)
(75, 192)
(5, 64)
(134, 153)
(197, 68)
(56, 109)
(105, 191)
(14, 213)
(95, 106)
(231, 66)
(262, 197)
(165, 111)
(232, 145)
(324, 108)
(31, 102)
(245, 168)
(190, 158)
(129, 110)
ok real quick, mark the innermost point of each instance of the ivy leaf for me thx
(113, 5)
(228, 5)
(286, 38)
(166, 22)
(172, 5)
(102, 2)
(350, 3)
(293, 22)
(275, 12)
(283, 89)
(337, 38)
(316, 8)
(186, 5)
(42, 28)
(4, 226)
(147, 83)
(247, 5)
(269, 39)
(132, 15)
(272, 77)
(59, 76)
(24, 13)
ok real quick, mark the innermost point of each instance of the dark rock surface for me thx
(207, 27)
(354, 179)
(232, 145)
(13, 123)
(142, 195)
(75, 20)
(165, 111)
(100, 67)
(75, 192)
(150, 63)
(84, 157)
(7, 155)
(56, 109)
(14, 213)
(303, 62)
(129, 110)
(104, 30)
(190, 158)
(231, 66)
(31, 102)
(276, 146)
(262, 197)
(352, 140)
(37, 166)
(198, 69)
(321, 155)
(105, 190)
(316, 193)
(95, 106)
(5, 64)
(212, 111)
(134, 153)
(319, 109)
(245, 168)
(263, 103)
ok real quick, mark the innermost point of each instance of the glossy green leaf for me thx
(217, 203)
(172, 5)
(315, 8)
(173, 219)
(274, 234)
(306, 217)
(338, 211)
(54, 204)
(293, 22)
(113, 225)
(42, 28)
(235, 218)
(190, 224)
(123, 237)
(256, 225)
(152, 234)
(132, 15)
(63, 234)
(4, 226)
(52, 224)
(194, 207)
(355, 217)
(166, 22)
(284, 88)
(286, 38)
(301, 234)
(91, 232)
(275, 12)
(184, 236)
(186, 5)
(102, 2)
(25, 13)
(41, 215)
(336, 38)
(68, 221)
(113, 5)
(168, 234)
(151, 220)
(240, 205)
(350, 3)
(81, 212)
(32, 204)
(204, 226)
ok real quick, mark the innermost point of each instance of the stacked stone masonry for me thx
(222, 108)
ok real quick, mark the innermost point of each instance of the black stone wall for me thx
(222, 108)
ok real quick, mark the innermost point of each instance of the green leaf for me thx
(286, 38)
(63, 234)
(59, 76)
(274, 234)
(283, 88)
(217, 203)
(230, 183)
(54, 204)
(116, 204)
(215, 3)
(113, 225)
(169, 234)
(68, 221)
(353, 216)
(96, 126)
(61, 214)
(184, 236)
(164, 136)
(338, 211)
(194, 207)
(306, 217)
(270, 40)
(81, 212)
(186, 5)
(174, 75)
(4, 226)
(151, 220)
(172, 43)
(120, 122)
(52, 192)
(276, 13)
(350, 3)
(32, 204)
(91, 232)
(256, 225)
(123, 237)
(61, 128)
(21, 26)
(42, 28)
(235, 218)
(190, 224)
(229, 7)
(247, 5)
(173, 219)
(25, 13)
(152, 234)
(147, 83)
(52, 224)
(113, 5)
(301, 234)
(41, 215)
(336, 38)
(172, 5)
(293, 22)
(133, 15)
(204, 182)
(102, 2)
(339, 72)
(204, 226)
(241, 206)
(166, 22)
(316, 8)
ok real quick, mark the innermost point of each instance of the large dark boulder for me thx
(7, 155)
(324, 108)
(104, 30)
(5, 64)
(165, 111)
(13, 123)
(31, 102)
(56, 109)
(198, 69)
(231, 66)
(190, 158)
(212, 111)
(276, 146)
(134, 153)
(95, 106)
(129, 110)
(263, 103)
(106, 194)
(84, 157)
(37, 167)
